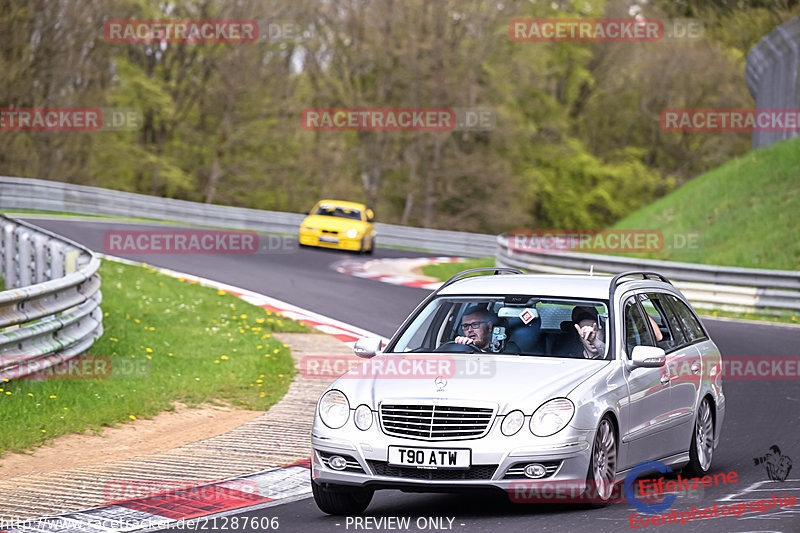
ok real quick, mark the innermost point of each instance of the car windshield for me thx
(338, 211)
(518, 324)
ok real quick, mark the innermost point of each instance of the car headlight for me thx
(363, 417)
(352, 233)
(512, 423)
(551, 417)
(334, 409)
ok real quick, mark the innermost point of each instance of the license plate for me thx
(329, 239)
(429, 457)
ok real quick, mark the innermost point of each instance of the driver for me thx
(477, 324)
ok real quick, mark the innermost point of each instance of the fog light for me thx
(535, 470)
(337, 462)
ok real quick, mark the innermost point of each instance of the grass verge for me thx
(445, 271)
(166, 340)
(743, 213)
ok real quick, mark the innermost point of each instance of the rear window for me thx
(691, 326)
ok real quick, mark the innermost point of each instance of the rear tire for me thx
(342, 501)
(701, 450)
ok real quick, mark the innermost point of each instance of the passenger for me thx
(591, 337)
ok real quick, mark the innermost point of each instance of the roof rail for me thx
(495, 270)
(616, 280)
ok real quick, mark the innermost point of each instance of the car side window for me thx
(671, 336)
(687, 319)
(636, 332)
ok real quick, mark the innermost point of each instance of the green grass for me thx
(445, 271)
(167, 341)
(746, 213)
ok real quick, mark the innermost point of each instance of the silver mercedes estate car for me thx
(506, 379)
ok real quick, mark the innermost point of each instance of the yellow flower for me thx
(267, 354)
(259, 347)
(44, 431)
(52, 396)
(148, 350)
(8, 392)
(275, 350)
(302, 324)
(133, 356)
(112, 339)
(105, 314)
(280, 375)
(136, 320)
(66, 408)
(242, 316)
(170, 354)
(260, 320)
(151, 328)
(149, 356)
(127, 316)
(262, 394)
(132, 417)
(261, 376)
(224, 357)
(285, 345)
(270, 320)
(30, 394)
(259, 381)
(216, 361)
(144, 265)
(221, 292)
(256, 329)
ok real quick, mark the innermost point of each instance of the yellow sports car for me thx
(340, 225)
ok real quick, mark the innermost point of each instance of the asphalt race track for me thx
(759, 413)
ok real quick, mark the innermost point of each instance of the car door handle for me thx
(664, 380)
(695, 367)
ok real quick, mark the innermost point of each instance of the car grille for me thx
(435, 422)
(330, 232)
(382, 468)
(517, 471)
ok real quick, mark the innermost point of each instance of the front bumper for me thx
(344, 243)
(496, 463)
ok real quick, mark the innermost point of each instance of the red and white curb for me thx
(204, 505)
(199, 504)
(376, 269)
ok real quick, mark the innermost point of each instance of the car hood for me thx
(510, 382)
(336, 223)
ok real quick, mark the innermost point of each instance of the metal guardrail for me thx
(30, 193)
(50, 308)
(706, 286)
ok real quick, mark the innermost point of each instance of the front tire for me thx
(602, 465)
(341, 501)
(701, 450)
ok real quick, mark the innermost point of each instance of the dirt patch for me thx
(163, 432)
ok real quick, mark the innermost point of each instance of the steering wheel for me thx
(456, 347)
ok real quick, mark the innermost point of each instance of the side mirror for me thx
(368, 347)
(370, 215)
(647, 357)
